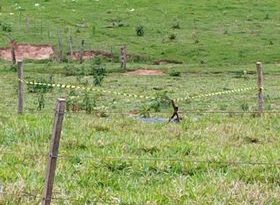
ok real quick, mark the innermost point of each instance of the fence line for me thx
(180, 112)
(81, 87)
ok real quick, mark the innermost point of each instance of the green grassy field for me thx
(212, 33)
(220, 153)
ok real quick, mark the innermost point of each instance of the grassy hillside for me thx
(206, 32)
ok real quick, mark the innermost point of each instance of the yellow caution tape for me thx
(216, 93)
(140, 96)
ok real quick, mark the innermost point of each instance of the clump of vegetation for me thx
(242, 74)
(245, 107)
(84, 102)
(71, 102)
(80, 73)
(41, 101)
(161, 100)
(69, 69)
(145, 111)
(13, 68)
(172, 36)
(6, 27)
(139, 30)
(98, 71)
(175, 73)
(176, 24)
(88, 103)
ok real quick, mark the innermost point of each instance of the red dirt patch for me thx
(28, 51)
(145, 72)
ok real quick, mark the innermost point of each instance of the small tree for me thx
(88, 103)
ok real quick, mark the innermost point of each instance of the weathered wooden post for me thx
(82, 52)
(54, 147)
(60, 47)
(123, 57)
(260, 88)
(112, 55)
(27, 25)
(13, 51)
(20, 87)
(70, 45)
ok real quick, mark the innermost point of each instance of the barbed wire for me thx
(175, 160)
(138, 113)
(162, 159)
(130, 114)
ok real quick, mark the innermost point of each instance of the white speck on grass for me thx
(36, 4)
(131, 10)
(11, 14)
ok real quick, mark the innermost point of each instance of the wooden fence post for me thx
(260, 88)
(27, 25)
(70, 45)
(50, 173)
(13, 51)
(123, 57)
(20, 87)
(82, 52)
(60, 46)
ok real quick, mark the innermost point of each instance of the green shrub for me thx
(98, 71)
(145, 110)
(88, 103)
(6, 27)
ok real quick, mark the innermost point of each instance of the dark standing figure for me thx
(175, 117)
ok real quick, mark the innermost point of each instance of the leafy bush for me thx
(145, 110)
(160, 100)
(6, 27)
(88, 103)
